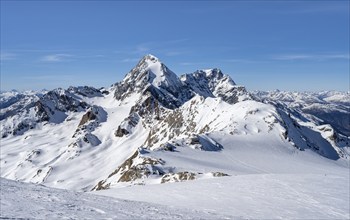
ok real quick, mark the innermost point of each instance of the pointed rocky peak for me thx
(151, 70)
(150, 57)
(147, 69)
(208, 76)
(213, 83)
(216, 75)
(60, 100)
(150, 74)
(85, 91)
(204, 82)
(211, 73)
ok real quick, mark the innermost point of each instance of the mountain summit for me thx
(151, 75)
(149, 72)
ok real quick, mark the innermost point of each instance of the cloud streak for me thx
(190, 64)
(7, 56)
(325, 8)
(130, 60)
(167, 48)
(48, 77)
(243, 61)
(60, 57)
(311, 57)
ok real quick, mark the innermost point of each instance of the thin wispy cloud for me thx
(56, 57)
(38, 50)
(175, 52)
(167, 48)
(243, 61)
(130, 60)
(7, 56)
(142, 49)
(205, 10)
(189, 64)
(326, 8)
(311, 57)
(48, 77)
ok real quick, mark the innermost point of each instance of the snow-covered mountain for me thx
(154, 127)
(326, 107)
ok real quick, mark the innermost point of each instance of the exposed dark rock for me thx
(41, 112)
(88, 116)
(132, 170)
(168, 147)
(194, 140)
(85, 91)
(204, 142)
(285, 134)
(120, 132)
(178, 177)
(100, 186)
(141, 170)
(219, 174)
(213, 83)
(127, 125)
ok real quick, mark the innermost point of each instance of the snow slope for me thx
(29, 201)
(255, 196)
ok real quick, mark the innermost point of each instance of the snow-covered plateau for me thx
(194, 146)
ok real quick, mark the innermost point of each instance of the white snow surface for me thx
(255, 196)
(28, 201)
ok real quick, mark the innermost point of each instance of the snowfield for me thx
(268, 180)
(29, 201)
(255, 196)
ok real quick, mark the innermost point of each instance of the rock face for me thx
(88, 116)
(83, 138)
(213, 83)
(128, 125)
(152, 76)
(134, 169)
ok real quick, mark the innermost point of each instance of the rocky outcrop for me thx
(133, 170)
(213, 83)
(83, 137)
(128, 125)
(88, 116)
(85, 91)
(178, 177)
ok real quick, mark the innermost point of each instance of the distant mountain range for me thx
(154, 127)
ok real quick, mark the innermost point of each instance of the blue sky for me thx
(264, 45)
